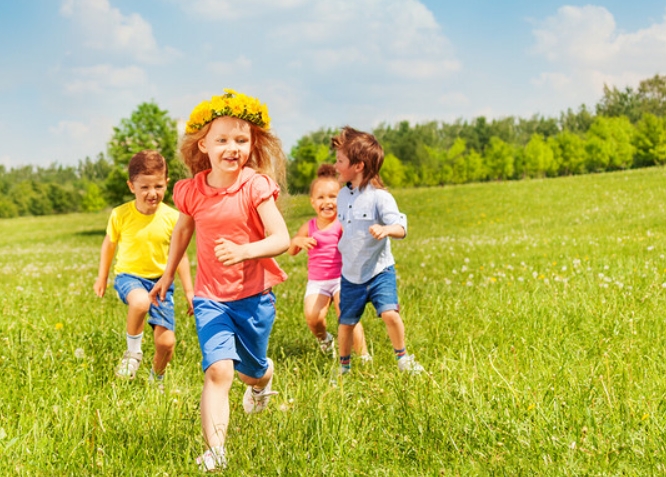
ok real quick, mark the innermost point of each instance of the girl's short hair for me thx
(325, 172)
(361, 147)
(147, 162)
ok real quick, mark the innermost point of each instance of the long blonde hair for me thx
(266, 154)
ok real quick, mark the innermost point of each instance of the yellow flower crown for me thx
(230, 103)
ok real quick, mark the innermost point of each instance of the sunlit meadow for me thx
(537, 308)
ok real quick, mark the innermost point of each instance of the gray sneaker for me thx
(408, 364)
(327, 345)
(129, 365)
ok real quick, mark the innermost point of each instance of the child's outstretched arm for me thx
(275, 243)
(185, 276)
(180, 239)
(105, 259)
(382, 231)
(301, 241)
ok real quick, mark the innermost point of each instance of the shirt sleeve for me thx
(262, 188)
(388, 211)
(112, 226)
(180, 195)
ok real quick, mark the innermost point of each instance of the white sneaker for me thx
(212, 460)
(366, 358)
(129, 365)
(257, 402)
(327, 345)
(409, 365)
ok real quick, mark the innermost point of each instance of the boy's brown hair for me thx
(147, 162)
(361, 147)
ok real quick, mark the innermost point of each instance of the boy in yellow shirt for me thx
(140, 231)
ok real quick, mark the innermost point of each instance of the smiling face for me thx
(149, 190)
(228, 144)
(324, 199)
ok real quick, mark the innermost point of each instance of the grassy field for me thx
(537, 308)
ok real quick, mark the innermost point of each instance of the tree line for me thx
(625, 129)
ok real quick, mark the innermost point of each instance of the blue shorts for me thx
(381, 290)
(162, 315)
(237, 330)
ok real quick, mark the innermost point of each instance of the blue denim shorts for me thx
(162, 315)
(237, 330)
(381, 290)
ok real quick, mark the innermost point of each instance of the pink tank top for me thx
(324, 260)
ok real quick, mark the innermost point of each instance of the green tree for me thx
(306, 156)
(537, 158)
(609, 144)
(568, 153)
(650, 141)
(652, 95)
(500, 159)
(149, 127)
(392, 172)
(615, 103)
(92, 200)
(577, 122)
(456, 157)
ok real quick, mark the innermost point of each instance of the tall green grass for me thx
(536, 307)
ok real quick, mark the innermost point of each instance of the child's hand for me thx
(304, 242)
(378, 231)
(189, 296)
(229, 253)
(159, 291)
(100, 287)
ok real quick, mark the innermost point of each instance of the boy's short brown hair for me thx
(147, 162)
(362, 147)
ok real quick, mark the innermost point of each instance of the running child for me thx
(140, 232)
(236, 163)
(369, 216)
(320, 236)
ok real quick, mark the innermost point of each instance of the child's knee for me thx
(165, 342)
(139, 300)
(220, 372)
(391, 317)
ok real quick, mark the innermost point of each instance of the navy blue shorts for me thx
(381, 290)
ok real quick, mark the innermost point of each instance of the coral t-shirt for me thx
(229, 213)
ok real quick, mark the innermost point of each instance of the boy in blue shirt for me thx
(369, 216)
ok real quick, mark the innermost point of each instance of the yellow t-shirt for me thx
(143, 240)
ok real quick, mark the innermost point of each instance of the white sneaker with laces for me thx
(212, 460)
(254, 402)
(408, 364)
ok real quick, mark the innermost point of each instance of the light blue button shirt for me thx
(363, 256)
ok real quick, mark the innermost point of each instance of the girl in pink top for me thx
(320, 237)
(230, 202)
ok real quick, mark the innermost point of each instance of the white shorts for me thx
(323, 287)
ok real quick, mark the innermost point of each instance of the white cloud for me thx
(586, 50)
(585, 42)
(101, 78)
(71, 129)
(240, 64)
(234, 10)
(106, 29)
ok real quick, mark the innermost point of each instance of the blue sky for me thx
(72, 69)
